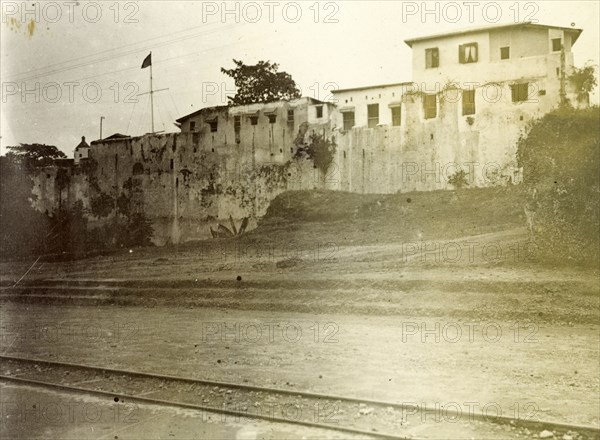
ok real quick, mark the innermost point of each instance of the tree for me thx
(32, 155)
(261, 83)
(584, 79)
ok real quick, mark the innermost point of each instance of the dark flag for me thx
(147, 61)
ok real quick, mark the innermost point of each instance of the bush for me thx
(560, 157)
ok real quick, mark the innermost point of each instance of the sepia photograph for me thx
(295, 220)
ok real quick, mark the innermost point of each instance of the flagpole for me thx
(151, 95)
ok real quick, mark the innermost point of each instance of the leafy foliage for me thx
(22, 228)
(261, 83)
(31, 155)
(320, 150)
(560, 157)
(584, 79)
(458, 179)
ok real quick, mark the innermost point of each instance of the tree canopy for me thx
(34, 154)
(261, 83)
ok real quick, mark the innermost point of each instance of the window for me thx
(396, 113)
(468, 102)
(432, 58)
(319, 109)
(467, 53)
(290, 116)
(373, 115)
(505, 53)
(192, 125)
(348, 120)
(254, 120)
(214, 124)
(556, 44)
(272, 119)
(430, 106)
(520, 92)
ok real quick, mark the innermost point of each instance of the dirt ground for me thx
(491, 335)
(433, 299)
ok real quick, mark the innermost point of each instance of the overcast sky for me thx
(80, 49)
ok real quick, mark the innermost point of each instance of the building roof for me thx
(115, 136)
(525, 24)
(225, 107)
(82, 144)
(202, 110)
(378, 86)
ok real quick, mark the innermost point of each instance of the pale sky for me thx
(72, 50)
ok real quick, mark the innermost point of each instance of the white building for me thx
(82, 151)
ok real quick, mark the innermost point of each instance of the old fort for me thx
(472, 94)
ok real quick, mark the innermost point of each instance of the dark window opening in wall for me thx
(319, 109)
(253, 120)
(272, 119)
(467, 53)
(520, 92)
(396, 115)
(432, 58)
(505, 53)
(214, 124)
(558, 71)
(348, 120)
(468, 102)
(430, 106)
(556, 44)
(373, 115)
(350, 99)
(192, 125)
(344, 154)
(171, 163)
(290, 116)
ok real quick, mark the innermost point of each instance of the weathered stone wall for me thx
(187, 183)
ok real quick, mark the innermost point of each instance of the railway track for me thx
(361, 417)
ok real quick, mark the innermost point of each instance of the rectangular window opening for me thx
(505, 53)
(290, 116)
(396, 115)
(432, 58)
(430, 106)
(467, 53)
(468, 102)
(348, 120)
(373, 115)
(556, 45)
(214, 124)
(520, 92)
(319, 109)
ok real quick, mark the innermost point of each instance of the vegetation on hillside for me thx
(560, 156)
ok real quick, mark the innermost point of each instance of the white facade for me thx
(356, 102)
